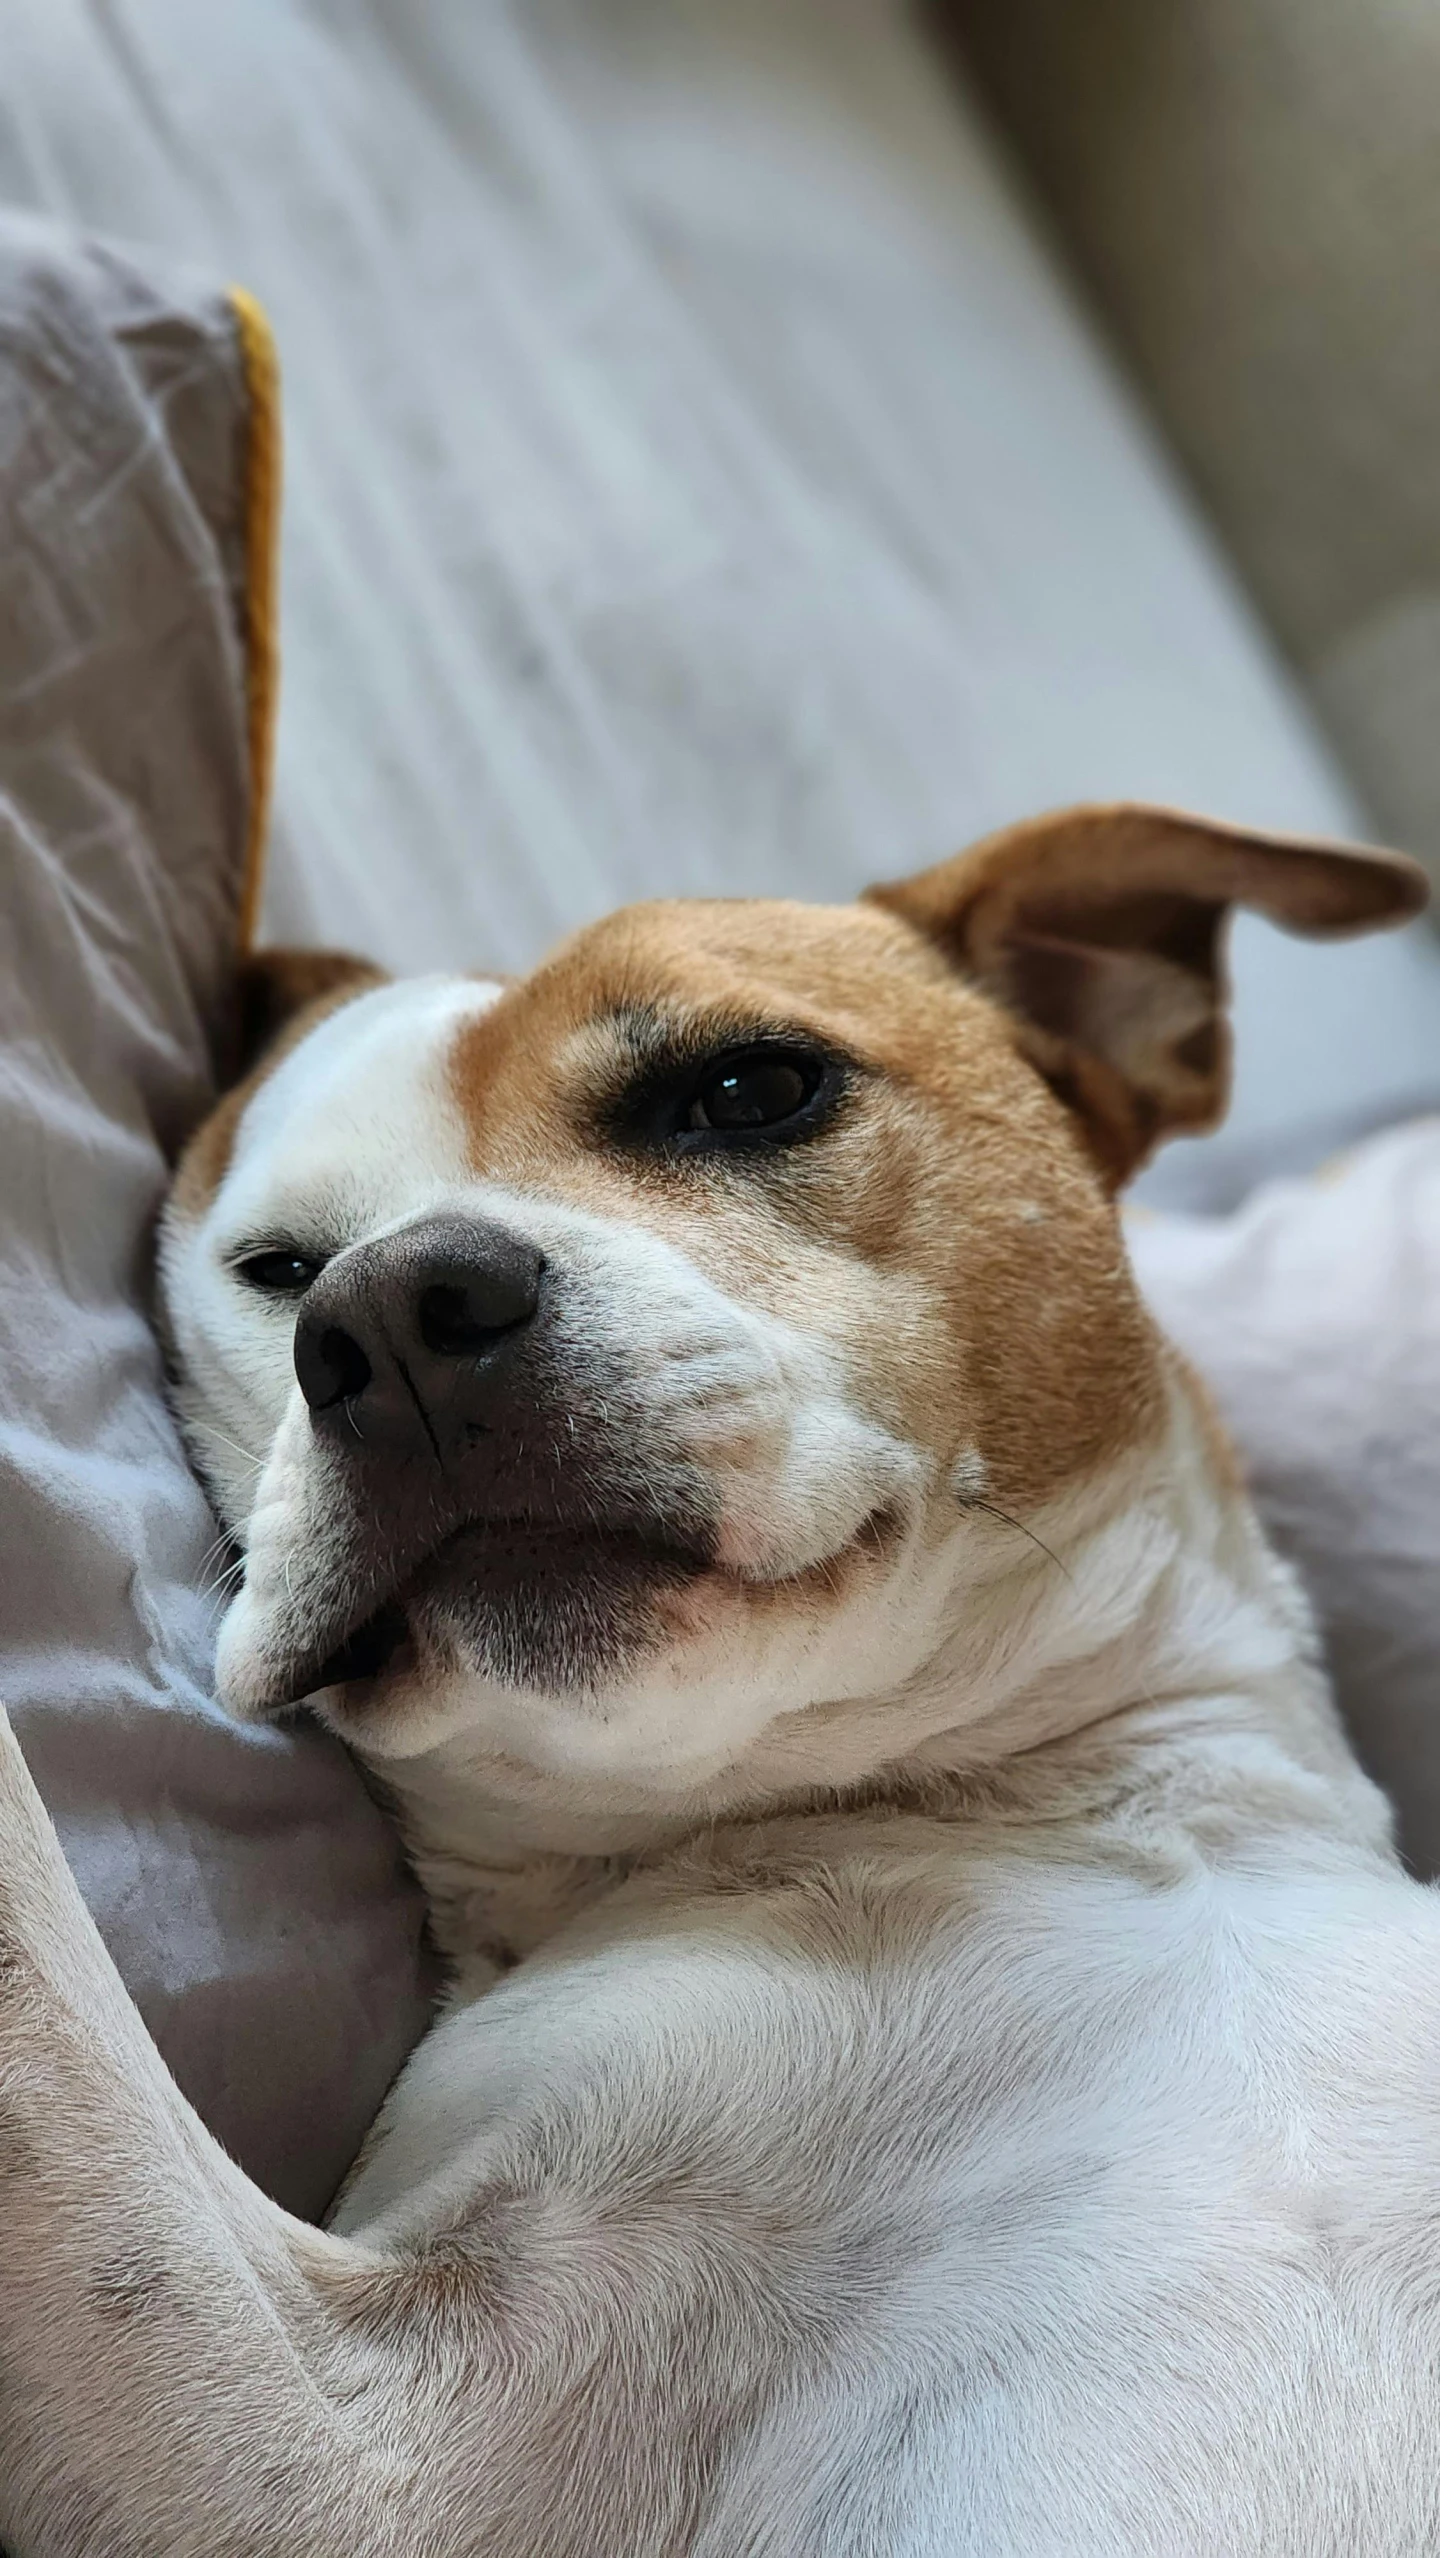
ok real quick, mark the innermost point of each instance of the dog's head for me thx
(616, 1365)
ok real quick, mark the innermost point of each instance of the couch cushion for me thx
(245, 1882)
(1315, 1314)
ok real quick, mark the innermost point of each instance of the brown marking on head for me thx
(1101, 931)
(280, 997)
(948, 1231)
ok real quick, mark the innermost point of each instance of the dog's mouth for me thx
(535, 1601)
(377, 1644)
(486, 1569)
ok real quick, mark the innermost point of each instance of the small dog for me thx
(941, 2056)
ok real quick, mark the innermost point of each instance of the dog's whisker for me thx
(972, 1501)
(210, 1431)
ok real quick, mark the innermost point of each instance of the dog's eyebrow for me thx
(646, 1037)
(640, 1032)
(638, 1047)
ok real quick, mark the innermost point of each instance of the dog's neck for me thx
(1144, 1617)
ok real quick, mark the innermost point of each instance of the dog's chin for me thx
(556, 1608)
(528, 1604)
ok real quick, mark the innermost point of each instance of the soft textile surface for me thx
(246, 1883)
(698, 479)
(1315, 1314)
(1253, 187)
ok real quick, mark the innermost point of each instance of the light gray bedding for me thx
(247, 1885)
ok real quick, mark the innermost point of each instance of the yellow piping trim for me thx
(262, 561)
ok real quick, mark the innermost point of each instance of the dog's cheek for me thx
(797, 1425)
(233, 1374)
(809, 1475)
(769, 1418)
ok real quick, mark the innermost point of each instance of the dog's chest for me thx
(1086, 2165)
(967, 2007)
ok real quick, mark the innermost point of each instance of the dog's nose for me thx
(403, 1340)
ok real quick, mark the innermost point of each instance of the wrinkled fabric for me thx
(247, 1885)
(700, 479)
(1315, 1315)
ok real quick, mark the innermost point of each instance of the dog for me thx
(940, 2058)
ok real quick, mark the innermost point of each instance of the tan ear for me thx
(1102, 930)
(287, 990)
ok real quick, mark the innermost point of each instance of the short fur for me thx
(941, 2056)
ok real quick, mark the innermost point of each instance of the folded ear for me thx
(281, 990)
(1102, 932)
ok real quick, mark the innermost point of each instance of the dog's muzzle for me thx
(493, 1484)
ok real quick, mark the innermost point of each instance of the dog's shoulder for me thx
(844, 1975)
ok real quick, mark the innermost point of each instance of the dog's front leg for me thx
(174, 2379)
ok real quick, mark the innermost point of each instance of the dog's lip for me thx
(372, 1641)
(370, 1647)
(381, 1635)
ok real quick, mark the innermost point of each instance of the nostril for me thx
(330, 1364)
(449, 1325)
(460, 1319)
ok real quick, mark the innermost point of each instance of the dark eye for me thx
(278, 1274)
(757, 1090)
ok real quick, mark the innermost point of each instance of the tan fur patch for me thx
(949, 1230)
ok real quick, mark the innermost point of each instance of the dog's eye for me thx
(279, 1273)
(761, 1090)
(752, 1098)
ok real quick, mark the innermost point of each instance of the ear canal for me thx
(277, 987)
(1101, 931)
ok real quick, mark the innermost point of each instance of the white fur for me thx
(327, 1151)
(1037, 2160)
